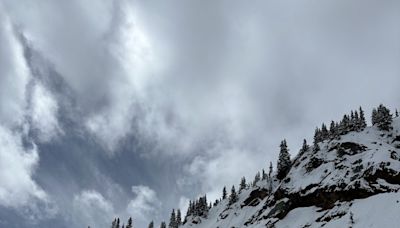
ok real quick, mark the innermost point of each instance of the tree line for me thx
(355, 121)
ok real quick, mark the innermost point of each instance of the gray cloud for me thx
(182, 97)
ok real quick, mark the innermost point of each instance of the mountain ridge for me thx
(324, 187)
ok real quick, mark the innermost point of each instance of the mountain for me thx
(351, 179)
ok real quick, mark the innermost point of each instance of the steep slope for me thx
(352, 181)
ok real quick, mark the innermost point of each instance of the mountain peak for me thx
(349, 180)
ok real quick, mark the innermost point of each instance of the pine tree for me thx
(316, 148)
(129, 224)
(178, 218)
(114, 223)
(317, 135)
(324, 132)
(224, 193)
(264, 175)
(397, 113)
(172, 220)
(151, 224)
(333, 130)
(352, 122)
(284, 163)
(216, 202)
(233, 196)
(242, 184)
(382, 118)
(117, 225)
(271, 169)
(305, 147)
(374, 116)
(163, 225)
(344, 126)
(363, 122)
(257, 178)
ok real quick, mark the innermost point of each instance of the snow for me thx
(381, 210)
(350, 170)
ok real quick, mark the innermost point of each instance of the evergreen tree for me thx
(271, 169)
(114, 223)
(397, 113)
(242, 184)
(284, 163)
(324, 132)
(333, 130)
(224, 193)
(163, 225)
(117, 225)
(317, 135)
(172, 220)
(344, 126)
(270, 182)
(233, 198)
(352, 122)
(374, 116)
(256, 179)
(178, 218)
(316, 148)
(151, 224)
(264, 175)
(363, 122)
(382, 118)
(305, 147)
(189, 210)
(129, 224)
(216, 202)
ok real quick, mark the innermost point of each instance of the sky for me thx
(131, 108)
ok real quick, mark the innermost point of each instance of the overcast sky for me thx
(131, 108)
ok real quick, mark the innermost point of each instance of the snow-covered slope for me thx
(353, 181)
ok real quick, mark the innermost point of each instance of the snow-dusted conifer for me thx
(363, 122)
(257, 178)
(333, 130)
(172, 220)
(305, 147)
(163, 225)
(397, 113)
(382, 118)
(284, 163)
(317, 135)
(151, 224)
(324, 132)
(224, 193)
(270, 181)
(178, 218)
(129, 224)
(233, 197)
(242, 185)
(264, 175)
(316, 147)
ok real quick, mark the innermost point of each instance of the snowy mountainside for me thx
(350, 181)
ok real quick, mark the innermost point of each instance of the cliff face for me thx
(353, 181)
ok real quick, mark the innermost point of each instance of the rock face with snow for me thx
(352, 181)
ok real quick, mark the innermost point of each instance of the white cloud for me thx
(90, 208)
(17, 188)
(17, 164)
(43, 113)
(145, 205)
(14, 74)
